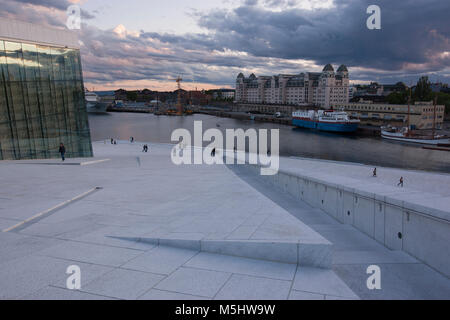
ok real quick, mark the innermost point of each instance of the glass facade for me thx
(41, 102)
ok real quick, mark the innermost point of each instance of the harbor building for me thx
(311, 88)
(42, 101)
(222, 93)
(422, 115)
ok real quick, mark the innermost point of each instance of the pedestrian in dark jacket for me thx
(62, 151)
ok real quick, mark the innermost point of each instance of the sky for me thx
(136, 44)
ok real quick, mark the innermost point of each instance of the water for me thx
(293, 141)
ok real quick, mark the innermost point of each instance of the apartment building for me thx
(313, 88)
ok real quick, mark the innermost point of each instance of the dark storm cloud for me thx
(413, 31)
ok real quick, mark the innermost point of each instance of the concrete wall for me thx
(397, 224)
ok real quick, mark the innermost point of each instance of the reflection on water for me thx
(293, 141)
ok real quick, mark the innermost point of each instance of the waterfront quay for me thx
(140, 227)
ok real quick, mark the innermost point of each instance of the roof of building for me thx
(342, 68)
(240, 75)
(328, 67)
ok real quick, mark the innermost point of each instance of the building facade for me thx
(422, 115)
(223, 94)
(311, 88)
(42, 101)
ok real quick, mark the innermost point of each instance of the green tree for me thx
(397, 97)
(423, 90)
(131, 95)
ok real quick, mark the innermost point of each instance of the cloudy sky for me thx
(144, 43)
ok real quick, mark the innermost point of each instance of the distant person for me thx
(400, 183)
(132, 139)
(374, 172)
(115, 142)
(112, 141)
(213, 152)
(62, 151)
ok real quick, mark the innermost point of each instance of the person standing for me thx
(375, 172)
(62, 151)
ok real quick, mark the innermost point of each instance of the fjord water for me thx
(293, 141)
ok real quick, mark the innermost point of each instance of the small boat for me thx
(406, 135)
(93, 104)
(325, 120)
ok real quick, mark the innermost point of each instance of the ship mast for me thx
(434, 116)
(409, 108)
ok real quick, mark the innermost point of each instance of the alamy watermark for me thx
(73, 282)
(374, 20)
(73, 21)
(230, 150)
(374, 280)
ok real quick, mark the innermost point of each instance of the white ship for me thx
(406, 135)
(93, 103)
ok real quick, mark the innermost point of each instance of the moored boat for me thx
(406, 135)
(332, 121)
(93, 103)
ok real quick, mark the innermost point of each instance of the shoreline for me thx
(367, 131)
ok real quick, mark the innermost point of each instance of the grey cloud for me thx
(413, 32)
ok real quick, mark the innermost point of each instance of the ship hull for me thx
(96, 107)
(398, 137)
(325, 126)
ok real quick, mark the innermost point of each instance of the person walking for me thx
(374, 172)
(62, 151)
(400, 183)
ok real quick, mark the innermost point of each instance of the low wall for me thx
(421, 231)
(269, 108)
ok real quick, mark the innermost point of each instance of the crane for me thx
(179, 105)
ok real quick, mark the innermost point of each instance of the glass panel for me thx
(41, 102)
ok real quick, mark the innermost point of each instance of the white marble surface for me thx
(139, 199)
